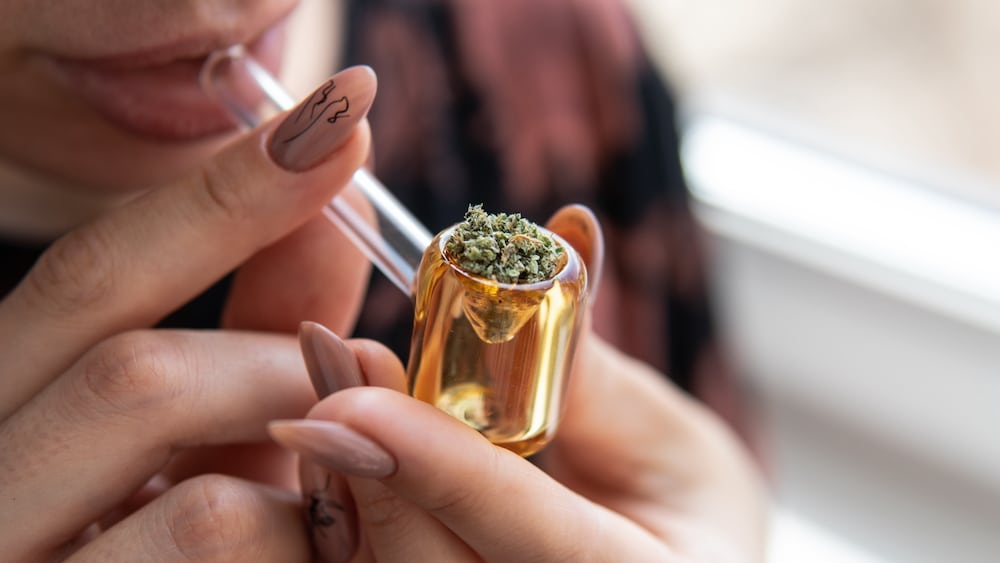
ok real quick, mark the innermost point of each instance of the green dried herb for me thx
(505, 248)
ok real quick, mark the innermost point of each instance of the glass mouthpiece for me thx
(393, 239)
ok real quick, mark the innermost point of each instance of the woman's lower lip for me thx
(162, 102)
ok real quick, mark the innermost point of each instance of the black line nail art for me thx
(318, 108)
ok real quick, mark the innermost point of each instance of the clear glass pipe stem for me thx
(396, 241)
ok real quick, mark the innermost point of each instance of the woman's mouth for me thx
(156, 94)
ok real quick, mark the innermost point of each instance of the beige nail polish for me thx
(332, 366)
(324, 121)
(334, 446)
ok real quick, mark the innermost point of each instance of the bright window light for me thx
(913, 241)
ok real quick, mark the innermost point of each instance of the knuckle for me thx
(576, 543)
(76, 272)
(133, 373)
(383, 509)
(458, 496)
(464, 496)
(224, 195)
(213, 517)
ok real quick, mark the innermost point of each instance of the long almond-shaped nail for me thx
(334, 446)
(323, 122)
(332, 366)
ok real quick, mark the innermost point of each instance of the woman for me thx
(123, 442)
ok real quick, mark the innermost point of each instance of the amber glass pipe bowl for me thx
(496, 356)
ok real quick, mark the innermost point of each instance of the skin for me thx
(650, 477)
(121, 442)
(62, 162)
(637, 472)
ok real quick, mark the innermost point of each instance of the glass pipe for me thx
(496, 356)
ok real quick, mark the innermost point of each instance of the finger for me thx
(335, 364)
(271, 464)
(391, 527)
(124, 409)
(638, 403)
(379, 365)
(499, 504)
(330, 515)
(209, 518)
(697, 467)
(314, 273)
(394, 529)
(637, 406)
(262, 462)
(331, 518)
(135, 264)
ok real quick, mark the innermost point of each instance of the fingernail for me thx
(332, 366)
(334, 446)
(330, 513)
(323, 121)
(578, 225)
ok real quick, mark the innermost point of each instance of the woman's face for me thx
(103, 94)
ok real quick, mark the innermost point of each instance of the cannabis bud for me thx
(503, 247)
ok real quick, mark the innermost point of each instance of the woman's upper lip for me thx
(192, 48)
(154, 92)
(189, 29)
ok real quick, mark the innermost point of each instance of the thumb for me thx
(499, 504)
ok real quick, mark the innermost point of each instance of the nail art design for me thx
(321, 123)
(332, 366)
(310, 113)
(321, 508)
(330, 513)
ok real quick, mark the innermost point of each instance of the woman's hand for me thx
(637, 472)
(103, 421)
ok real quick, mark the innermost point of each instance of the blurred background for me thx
(845, 161)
